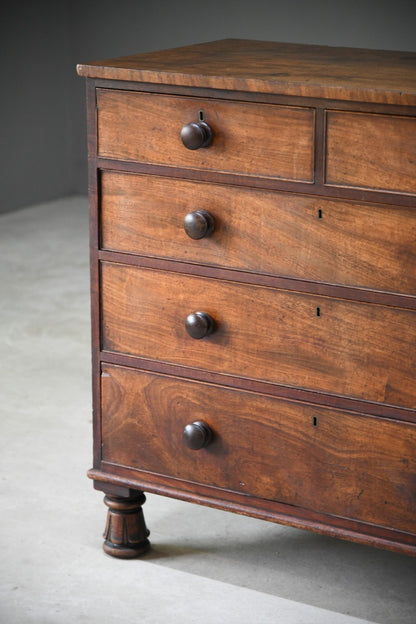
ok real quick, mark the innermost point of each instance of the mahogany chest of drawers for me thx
(253, 249)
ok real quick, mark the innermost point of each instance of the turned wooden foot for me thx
(125, 532)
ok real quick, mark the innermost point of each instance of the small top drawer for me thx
(251, 139)
(371, 151)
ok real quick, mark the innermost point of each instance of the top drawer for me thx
(371, 151)
(249, 139)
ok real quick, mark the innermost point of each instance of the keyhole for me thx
(318, 311)
(315, 421)
(319, 214)
(201, 115)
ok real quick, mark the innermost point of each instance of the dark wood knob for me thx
(196, 135)
(196, 435)
(199, 224)
(199, 324)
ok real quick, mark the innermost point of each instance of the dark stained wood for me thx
(310, 457)
(249, 139)
(407, 302)
(297, 236)
(199, 224)
(197, 435)
(273, 184)
(196, 135)
(371, 151)
(125, 534)
(345, 348)
(271, 67)
(390, 412)
(93, 190)
(344, 528)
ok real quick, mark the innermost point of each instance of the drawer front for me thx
(346, 348)
(311, 238)
(250, 139)
(315, 458)
(371, 151)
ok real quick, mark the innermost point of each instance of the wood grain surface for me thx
(351, 349)
(350, 74)
(314, 458)
(249, 139)
(299, 236)
(307, 381)
(371, 151)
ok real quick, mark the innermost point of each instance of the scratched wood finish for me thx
(338, 242)
(314, 458)
(371, 151)
(270, 67)
(249, 139)
(352, 349)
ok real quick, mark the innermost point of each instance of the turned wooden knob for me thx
(199, 325)
(196, 135)
(196, 435)
(198, 224)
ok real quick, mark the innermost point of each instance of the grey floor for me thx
(206, 566)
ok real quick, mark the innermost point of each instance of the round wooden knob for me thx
(196, 435)
(196, 135)
(199, 324)
(198, 224)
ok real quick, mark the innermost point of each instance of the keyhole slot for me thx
(318, 311)
(319, 213)
(201, 115)
(315, 421)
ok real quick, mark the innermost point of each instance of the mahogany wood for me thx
(362, 532)
(196, 134)
(348, 74)
(198, 224)
(274, 184)
(352, 349)
(308, 276)
(310, 457)
(373, 151)
(391, 412)
(199, 325)
(250, 139)
(298, 236)
(125, 534)
(197, 435)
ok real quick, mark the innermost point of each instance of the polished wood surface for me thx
(269, 67)
(315, 458)
(351, 349)
(371, 151)
(254, 296)
(298, 236)
(249, 139)
(125, 534)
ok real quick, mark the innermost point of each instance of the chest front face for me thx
(253, 236)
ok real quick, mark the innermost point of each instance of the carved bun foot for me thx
(125, 532)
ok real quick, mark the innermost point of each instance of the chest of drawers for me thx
(253, 248)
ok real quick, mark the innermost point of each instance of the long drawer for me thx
(250, 139)
(313, 238)
(352, 349)
(311, 457)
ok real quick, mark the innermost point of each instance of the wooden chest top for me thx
(253, 248)
(270, 67)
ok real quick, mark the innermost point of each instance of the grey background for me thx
(42, 107)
